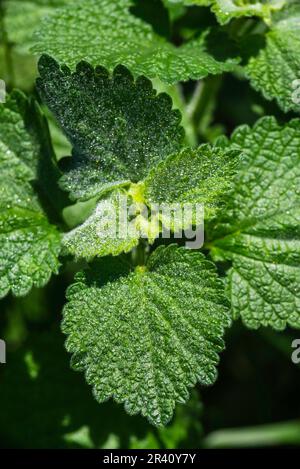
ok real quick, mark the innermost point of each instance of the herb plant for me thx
(133, 87)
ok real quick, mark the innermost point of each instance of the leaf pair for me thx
(126, 138)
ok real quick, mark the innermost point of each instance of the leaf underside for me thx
(119, 128)
(102, 234)
(225, 10)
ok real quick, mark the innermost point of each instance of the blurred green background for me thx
(44, 404)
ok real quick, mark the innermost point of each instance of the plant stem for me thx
(175, 91)
(139, 254)
(283, 433)
(203, 104)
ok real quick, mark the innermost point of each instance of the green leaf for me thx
(144, 337)
(259, 230)
(225, 10)
(22, 17)
(119, 128)
(200, 176)
(275, 70)
(105, 33)
(29, 245)
(24, 129)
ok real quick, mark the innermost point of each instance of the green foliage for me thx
(29, 245)
(74, 33)
(276, 67)
(38, 382)
(198, 176)
(145, 318)
(225, 10)
(121, 131)
(259, 230)
(100, 234)
(145, 336)
(19, 31)
(19, 137)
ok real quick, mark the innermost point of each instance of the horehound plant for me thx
(145, 317)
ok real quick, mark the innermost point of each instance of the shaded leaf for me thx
(200, 176)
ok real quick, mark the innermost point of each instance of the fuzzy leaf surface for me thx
(14, 133)
(144, 337)
(105, 33)
(259, 230)
(225, 10)
(200, 176)
(119, 128)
